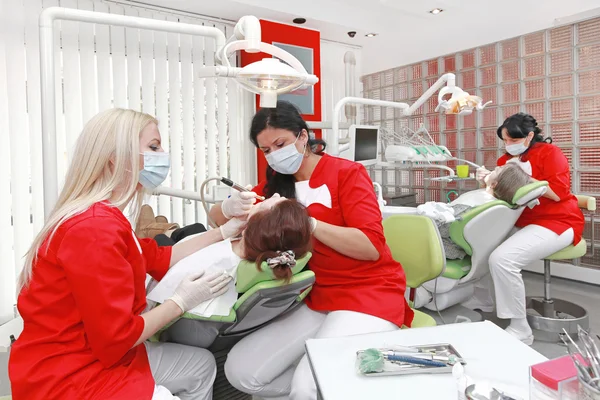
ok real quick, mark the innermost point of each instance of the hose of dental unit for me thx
(227, 182)
(202, 194)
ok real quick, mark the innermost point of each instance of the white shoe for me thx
(525, 337)
(475, 304)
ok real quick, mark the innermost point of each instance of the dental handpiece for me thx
(238, 187)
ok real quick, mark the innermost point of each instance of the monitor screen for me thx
(365, 147)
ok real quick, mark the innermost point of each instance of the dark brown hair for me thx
(284, 227)
(284, 116)
(519, 126)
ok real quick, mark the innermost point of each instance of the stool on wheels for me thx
(547, 316)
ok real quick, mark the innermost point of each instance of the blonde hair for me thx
(110, 137)
(510, 179)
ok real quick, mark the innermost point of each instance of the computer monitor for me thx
(364, 144)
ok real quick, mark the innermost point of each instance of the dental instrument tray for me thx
(407, 360)
(449, 179)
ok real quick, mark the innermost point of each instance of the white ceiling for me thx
(406, 31)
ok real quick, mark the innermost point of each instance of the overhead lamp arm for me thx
(264, 48)
(247, 29)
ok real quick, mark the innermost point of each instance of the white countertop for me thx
(490, 353)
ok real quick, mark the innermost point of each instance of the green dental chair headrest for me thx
(530, 192)
(248, 275)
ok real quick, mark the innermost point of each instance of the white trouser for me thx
(523, 247)
(188, 372)
(270, 363)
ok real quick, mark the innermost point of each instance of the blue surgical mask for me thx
(156, 169)
(287, 160)
(516, 149)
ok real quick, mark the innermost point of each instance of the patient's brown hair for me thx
(269, 233)
(510, 179)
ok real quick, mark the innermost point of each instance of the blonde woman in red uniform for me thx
(82, 289)
(554, 224)
(359, 287)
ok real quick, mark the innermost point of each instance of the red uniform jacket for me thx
(548, 163)
(343, 283)
(82, 312)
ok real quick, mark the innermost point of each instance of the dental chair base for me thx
(445, 298)
(548, 317)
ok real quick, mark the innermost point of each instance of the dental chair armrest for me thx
(529, 193)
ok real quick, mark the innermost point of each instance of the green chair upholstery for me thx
(262, 297)
(416, 244)
(421, 320)
(570, 252)
(248, 275)
(457, 269)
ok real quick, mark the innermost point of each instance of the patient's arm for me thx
(184, 249)
(216, 214)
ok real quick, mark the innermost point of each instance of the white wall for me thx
(333, 76)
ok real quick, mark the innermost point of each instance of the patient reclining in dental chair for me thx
(501, 184)
(278, 233)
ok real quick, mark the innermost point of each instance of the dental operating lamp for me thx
(267, 77)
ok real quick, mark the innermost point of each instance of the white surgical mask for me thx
(286, 160)
(156, 169)
(516, 149)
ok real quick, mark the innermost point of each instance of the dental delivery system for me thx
(225, 181)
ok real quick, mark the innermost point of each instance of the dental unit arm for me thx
(448, 80)
(460, 103)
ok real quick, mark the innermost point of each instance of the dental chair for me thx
(262, 298)
(478, 232)
(403, 234)
(547, 316)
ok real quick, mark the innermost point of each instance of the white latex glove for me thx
(238, 204)
(481, 173)
(197, 288)
(233, 227)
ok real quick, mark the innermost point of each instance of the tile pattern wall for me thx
(553, 75)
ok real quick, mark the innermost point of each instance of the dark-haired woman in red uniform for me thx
(359, 287)
(554, 224)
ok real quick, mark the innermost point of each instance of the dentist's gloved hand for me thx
(197, 288)
(238, 204)
(233, 227)
(481, 173)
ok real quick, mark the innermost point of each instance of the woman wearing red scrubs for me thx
(359, 287)
(82, 290)
(554, 224)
